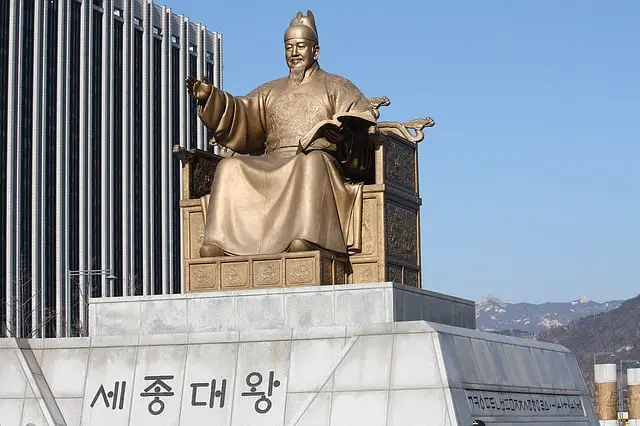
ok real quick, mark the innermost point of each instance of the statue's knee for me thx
(314, 157)
(228, 165)
(299, 244)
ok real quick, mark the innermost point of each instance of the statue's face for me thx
(300, 51)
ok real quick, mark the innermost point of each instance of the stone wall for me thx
(411, 373)
(320, 306)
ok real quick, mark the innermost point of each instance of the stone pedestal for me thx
(330, 355)
(275, 308)
(411, 373)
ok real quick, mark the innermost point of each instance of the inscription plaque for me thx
(489, 403)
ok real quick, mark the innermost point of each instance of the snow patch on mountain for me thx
(494, 314)
(627, 348)
(549, 322)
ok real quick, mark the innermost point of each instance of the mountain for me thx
(617, 331)
(527, 319)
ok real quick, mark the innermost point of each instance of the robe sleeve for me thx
(356, 151)
(346, 97)
(237, 122)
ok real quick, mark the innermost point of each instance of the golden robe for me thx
(260, 203)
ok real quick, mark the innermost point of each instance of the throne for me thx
(390, 249)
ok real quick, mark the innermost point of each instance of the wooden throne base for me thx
(307, 268)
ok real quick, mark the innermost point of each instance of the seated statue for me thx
(303, 132)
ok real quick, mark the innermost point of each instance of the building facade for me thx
(92, 99)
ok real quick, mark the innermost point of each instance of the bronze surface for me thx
(634, 402)
(304, 124)
(385, 255)
(305, 159)
(606, 402)
(315, 267)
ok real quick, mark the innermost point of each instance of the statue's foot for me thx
(300, 245)
(211, 250)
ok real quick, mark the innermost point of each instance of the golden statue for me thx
(308, 134)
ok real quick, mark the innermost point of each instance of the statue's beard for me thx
(297, 73)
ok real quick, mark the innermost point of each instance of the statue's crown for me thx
(303, 27)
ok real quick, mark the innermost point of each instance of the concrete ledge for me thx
(277, 308)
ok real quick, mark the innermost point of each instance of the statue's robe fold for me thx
(260, 203)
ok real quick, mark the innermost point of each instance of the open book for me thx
(351, 120)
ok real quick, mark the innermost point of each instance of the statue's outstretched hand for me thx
(199, 90)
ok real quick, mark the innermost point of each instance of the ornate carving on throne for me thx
(319, 186)
(390, 226)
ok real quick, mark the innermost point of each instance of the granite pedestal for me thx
(300, 307)
(137, 370)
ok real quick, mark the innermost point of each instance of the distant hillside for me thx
(522, 319)
(616, 331)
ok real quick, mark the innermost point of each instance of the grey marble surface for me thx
(402, 373)
(303, 307)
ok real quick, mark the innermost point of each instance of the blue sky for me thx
(530, 180)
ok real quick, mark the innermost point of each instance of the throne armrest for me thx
(198, 169)
(404, 130)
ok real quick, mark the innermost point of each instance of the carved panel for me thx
(340, 272)
(235, 275)
(299, 271)
(202, 171)
(196, 233)
(203, 277)
(266, 273)
(365, 273)
(278, 270)
(326, 272)
(399, 165)
(410, 277)
(186, 237)
(369, 226)
(401, 232)
(394, 273)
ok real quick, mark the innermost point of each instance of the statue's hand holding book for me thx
(335, 129)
